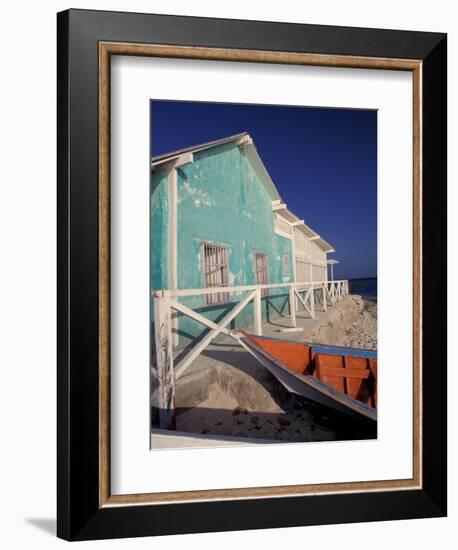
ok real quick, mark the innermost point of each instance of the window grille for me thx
(261, 272)
(216, 272)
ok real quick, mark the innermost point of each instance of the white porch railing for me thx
(329, 292)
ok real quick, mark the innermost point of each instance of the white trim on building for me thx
(309, 249)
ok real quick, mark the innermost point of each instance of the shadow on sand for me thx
(302, 421)
(295, 418)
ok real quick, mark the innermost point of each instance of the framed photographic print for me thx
(252, 274)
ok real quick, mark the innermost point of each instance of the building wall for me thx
(159, 209)
(222, 201)
(302, 259)
(308, 252)
(318, 258)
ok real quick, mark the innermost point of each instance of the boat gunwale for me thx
(372, 354)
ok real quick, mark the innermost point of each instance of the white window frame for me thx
(221, 278)
(264, 291)
(280, 221)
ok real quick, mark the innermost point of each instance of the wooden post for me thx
(292, 306)
(164, 362)
(312, 302)
(324, 298)
(257, 311)
(172, 249)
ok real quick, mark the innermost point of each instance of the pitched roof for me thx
(250, 151)
(256, 162)
(160, 159)
(290, 216)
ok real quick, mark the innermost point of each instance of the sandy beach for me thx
(352, 323)
(363, 333)
(226, 392)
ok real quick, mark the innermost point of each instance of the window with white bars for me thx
(282, 225)
(216, 273)
(286, 271)
(261, 269)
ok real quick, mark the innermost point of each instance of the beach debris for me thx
(239, 410)
(283, 421)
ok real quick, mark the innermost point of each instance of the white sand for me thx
(352, 323)
(363, 333)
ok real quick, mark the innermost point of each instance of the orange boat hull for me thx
(344, 379)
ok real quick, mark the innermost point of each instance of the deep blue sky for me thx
(322, 161)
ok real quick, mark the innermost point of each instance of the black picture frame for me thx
(80, 516)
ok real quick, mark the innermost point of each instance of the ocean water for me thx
(367, 288)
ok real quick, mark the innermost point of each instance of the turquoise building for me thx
(217, 220)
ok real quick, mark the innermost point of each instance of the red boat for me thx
(343, 379)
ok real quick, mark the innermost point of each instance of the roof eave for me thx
(166, 158)
(325, 246)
